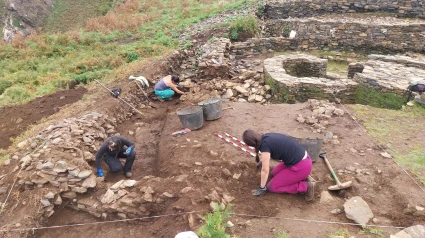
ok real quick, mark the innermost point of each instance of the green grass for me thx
(369, 96)
(390, 127)
(340, 233)
(373, 231)
(108, 48)
(338, 67)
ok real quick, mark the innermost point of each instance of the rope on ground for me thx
(192, 212)
(364, 129)
(3, 205)
(119, 97)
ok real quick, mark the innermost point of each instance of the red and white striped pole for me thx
(236, 145)
(237, 140)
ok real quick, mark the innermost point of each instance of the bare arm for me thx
(170, 84)
(265, 168)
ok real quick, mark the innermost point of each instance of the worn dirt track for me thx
(385, 187)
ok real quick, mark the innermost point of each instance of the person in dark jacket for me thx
(292, 174)
(113, 148)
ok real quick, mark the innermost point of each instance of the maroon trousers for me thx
(290, 179)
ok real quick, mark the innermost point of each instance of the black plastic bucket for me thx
(191, 117)
(212, 108)
(312, 142)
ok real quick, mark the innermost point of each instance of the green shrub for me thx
(215, 223)
(247, 26)
(260, 11)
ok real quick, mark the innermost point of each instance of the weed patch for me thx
(243, 27)
(215, 223)
(341, 233)
(373, 231)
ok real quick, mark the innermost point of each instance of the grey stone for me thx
(89, 182)
(49, 195)
(48, 165)
(3, 190)
(69, 195)
(325, 197)
(84, 174)
(358, 210)
(58, 201)
(45, 203)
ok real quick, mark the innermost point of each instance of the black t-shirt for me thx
(282, 148)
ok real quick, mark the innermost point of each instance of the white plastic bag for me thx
(186, 234)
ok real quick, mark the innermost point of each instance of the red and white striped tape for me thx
(236, 139)
(234, 144)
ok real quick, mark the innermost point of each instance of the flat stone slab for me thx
(388, 75)
(356, 209)
(417, 231)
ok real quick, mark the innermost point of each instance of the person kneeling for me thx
(292, 174)
(113, 148)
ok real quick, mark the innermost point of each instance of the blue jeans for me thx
(164, 94)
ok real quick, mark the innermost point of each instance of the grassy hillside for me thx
(41, 64)
(2, 15)
(65, 12)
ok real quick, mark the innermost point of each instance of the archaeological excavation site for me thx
(301, 74)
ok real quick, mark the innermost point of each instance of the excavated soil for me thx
(16, 119)
(200, 160)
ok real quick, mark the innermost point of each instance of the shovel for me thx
(339, 185)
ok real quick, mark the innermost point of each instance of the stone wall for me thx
(307, 8)
(315, 34)
(288, 88)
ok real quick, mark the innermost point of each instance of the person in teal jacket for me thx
(167, 87)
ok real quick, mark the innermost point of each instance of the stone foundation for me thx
(289, 88)
(307, 8)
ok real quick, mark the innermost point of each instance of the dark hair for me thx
(175, 78)
(253, 138)
(115, 143)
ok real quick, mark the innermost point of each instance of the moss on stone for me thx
(369, 96)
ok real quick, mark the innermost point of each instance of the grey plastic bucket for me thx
(191, 117)
(312, 142)
(212, 108)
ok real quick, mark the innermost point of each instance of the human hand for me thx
(259, 191)
(128, 151)
(100, 173)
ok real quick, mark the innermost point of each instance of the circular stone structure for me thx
(288, 74)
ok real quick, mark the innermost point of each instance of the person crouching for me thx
(292, 174)
(113, 148)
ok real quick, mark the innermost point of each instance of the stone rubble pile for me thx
(61, 156)
(322, 111)
(220, 75)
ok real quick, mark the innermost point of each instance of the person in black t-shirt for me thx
(113, 148)
(291, 175)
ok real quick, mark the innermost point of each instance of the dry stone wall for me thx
(315, 34)
(307, 8)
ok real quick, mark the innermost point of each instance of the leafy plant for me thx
(4, 84)
(374, 231)
(282, 234)
(215, 223)
(212, 39)
(286, 31)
